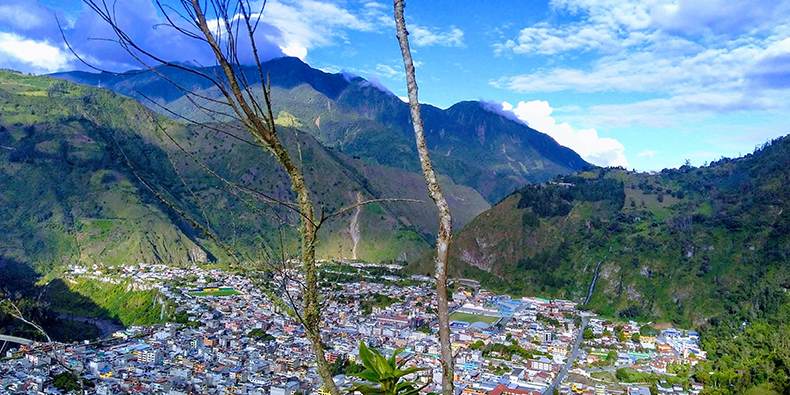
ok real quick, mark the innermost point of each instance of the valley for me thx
(110, 211)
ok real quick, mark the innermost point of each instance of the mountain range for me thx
(472, 144)
(88, 176)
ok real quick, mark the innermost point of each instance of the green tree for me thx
(647, 330)
(66, 382)
(611, 357)
(588, 334)
(340, 366)
(478, 345)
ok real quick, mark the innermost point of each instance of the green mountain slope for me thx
(474, 146)
(699, 247)
(66, 196)
(72, 197)
(684, 245)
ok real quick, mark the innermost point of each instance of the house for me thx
(502, 389)
(542, 365)
(664, 348)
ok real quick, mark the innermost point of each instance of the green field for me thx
(214, 293)
(472, 318)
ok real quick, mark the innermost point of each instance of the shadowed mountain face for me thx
(472, 145)
(18, 283)
(685, 245)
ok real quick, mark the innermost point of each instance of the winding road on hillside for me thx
(595, 277)
(14, 339)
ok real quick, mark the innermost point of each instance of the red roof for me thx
(502, 389)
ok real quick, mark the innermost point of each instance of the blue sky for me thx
(644, 84)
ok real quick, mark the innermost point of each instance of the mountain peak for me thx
(475, 143)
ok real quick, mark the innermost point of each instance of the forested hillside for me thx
(703, 247)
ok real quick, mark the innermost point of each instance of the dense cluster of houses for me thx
(246, 344)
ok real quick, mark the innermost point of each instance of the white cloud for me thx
(648, 71)
(545, 40)
(423, 36)
(20, 17)
(38, 55)
(602, 151)
(646, 154)
(294, 49)
(307, 24)
(696, 58)
(388, 71)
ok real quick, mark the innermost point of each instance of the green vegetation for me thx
(367, 303)
(549, 321)
(384, 376)
(94, 298)
(18, 280)
(606, 376)
(260, 335)
(343, 366)
(67, 146)
(359, 120)
(673, 267)
(68, 382)
(628, 375)
(472, 318)
(752, 358)
(501, 351)
(647, 330)
(499, 369)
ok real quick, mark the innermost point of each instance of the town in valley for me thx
(230, 335)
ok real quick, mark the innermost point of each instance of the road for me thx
(569, 362)
(14, 339)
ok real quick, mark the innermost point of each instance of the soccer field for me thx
(472, 318)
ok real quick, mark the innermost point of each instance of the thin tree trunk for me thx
(435, 191)
(267, 136)
(312, 313)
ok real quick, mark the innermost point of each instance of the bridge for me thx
(14, 339)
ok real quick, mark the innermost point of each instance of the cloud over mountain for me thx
(602, 151)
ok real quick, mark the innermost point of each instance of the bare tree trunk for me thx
(434, 190)
(263, 129)
(312, 314)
